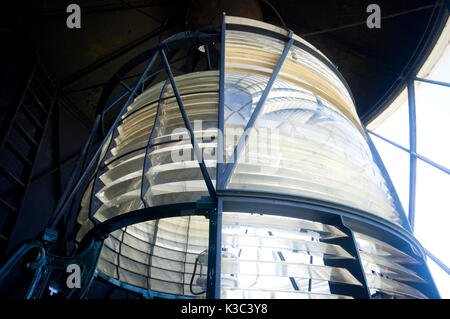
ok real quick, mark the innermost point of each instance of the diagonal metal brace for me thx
(197, 152)
(251, 122)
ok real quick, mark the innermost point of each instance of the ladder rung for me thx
(25, 134)
(31, 116)
(7, 206)
(31, 91)
(41, 84)
(12, 177)
(18, 154)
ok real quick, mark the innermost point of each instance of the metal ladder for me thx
(24, 130)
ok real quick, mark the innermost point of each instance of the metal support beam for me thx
(197, 152)
(353, 265)
(363, 23)
(413, 148)
(215, 217)
(214, 252)
(145, 214)
(57, 148)
(140, 11)
(447, 84)
(124, 92)
(113, 6)
(221, 119)
(423, 158)
(251, 122)
(45, 263)
(438, 261)
(95, 203)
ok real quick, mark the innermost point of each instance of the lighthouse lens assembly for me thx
(303, 207)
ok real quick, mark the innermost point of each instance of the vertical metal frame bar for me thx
(215, 252)
(185, 254)
(413, 149)
(197, 152)
(251, 122)
(215, 217)
(221, 130)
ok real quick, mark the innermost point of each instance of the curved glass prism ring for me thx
(305, 208)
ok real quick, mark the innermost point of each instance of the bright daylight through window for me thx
(432, 107)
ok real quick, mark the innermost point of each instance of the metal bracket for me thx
(45, 263)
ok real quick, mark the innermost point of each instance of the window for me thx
(432, 105)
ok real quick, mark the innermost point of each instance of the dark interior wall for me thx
(64, 136)
(63, 139)
(44, 191)
(106, 27)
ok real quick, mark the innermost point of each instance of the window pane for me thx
(396, 162)
(393, 123)
(433, 210)
(433, 114)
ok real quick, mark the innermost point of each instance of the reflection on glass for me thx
(396, 162)
(279, 257)
(303, 145)
(307, 139)
(388, 271)
(158, 255)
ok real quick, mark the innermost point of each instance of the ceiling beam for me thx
(360, 23)
(35, 15)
